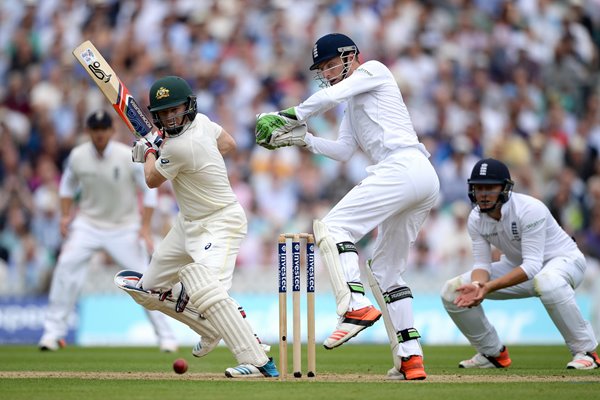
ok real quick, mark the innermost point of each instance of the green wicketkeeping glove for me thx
(276, 123)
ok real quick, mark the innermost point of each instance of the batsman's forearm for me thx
(153, 178)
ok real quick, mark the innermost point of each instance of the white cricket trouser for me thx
(395, 198)
(206, 251)
(213, 242)
(555, 285)
(125, 248)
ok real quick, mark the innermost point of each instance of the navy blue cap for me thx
(489, 171)
(99, 120)
(330, 46)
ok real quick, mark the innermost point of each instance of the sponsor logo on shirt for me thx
(488, 236)
(361, 69)
(534, 224)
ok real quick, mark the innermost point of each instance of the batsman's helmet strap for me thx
(330, 46)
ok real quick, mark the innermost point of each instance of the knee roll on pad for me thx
(204, 289)
(402, 292)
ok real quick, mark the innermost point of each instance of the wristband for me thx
(150, 150)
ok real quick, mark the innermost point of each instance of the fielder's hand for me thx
(274, 123)
(470, 295)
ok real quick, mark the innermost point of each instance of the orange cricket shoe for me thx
(350, 324)
(411, 369)
(482, 361)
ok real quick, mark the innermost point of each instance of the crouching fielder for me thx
(201, 248)
(539, 259)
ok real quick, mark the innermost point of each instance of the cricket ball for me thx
(180, 366)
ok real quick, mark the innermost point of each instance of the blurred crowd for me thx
(515, 80)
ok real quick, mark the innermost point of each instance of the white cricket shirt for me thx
(108, 185)
(376, 119)
(194, 165)
(526, 234)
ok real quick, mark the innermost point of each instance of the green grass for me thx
(350, 372)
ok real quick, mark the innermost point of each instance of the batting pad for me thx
(331, 257)
(127, 280)
(387, 320)
(212, 300)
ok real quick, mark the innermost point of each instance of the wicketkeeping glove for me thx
(144, 146)
(295, 137)
(280, 122)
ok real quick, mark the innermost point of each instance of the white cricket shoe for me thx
(587, 360)
(204, 346)
(51, 344)
(479, 360)
(269, 370)
(168, 346)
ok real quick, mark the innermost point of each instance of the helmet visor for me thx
(325, 76)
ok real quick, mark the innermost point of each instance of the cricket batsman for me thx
(191, 270)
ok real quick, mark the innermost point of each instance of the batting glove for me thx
(141, 148)
(279, 122)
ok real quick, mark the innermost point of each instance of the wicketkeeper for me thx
(395, 197)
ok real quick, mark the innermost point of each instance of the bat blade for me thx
(113, 89)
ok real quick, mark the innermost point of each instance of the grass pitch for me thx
(349, 372)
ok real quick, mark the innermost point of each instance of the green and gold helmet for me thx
(172, 91)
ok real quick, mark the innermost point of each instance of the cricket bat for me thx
(115, 91)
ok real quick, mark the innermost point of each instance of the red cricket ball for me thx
(180, 366)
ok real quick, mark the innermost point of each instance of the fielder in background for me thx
(538, 259)
(195, 261)
(395, 198)
(109, 218)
